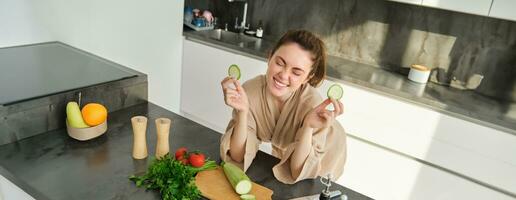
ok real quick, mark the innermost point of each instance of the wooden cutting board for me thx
(214, 185)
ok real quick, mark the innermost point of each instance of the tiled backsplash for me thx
(393, 36)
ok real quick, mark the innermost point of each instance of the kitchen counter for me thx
(466, 105)
(41, 78)
(54, 166)
(39, 70)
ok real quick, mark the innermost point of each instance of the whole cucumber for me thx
(240, 182)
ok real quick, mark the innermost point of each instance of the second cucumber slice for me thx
(335, 92)
(234, 71)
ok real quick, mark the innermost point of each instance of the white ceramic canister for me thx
(419, 73)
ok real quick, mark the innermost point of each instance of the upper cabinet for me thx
(504, 9)
(478, 7)
(417, 2)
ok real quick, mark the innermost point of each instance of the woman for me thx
(283, 107)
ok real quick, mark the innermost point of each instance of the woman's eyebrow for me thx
(295, 68)
(298, 68)
(281, 58)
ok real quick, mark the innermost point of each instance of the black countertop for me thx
(466, 105)
(53, 67)
(54, 166)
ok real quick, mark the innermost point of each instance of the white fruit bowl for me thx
(89, 133)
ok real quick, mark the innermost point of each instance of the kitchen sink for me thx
(230, 37)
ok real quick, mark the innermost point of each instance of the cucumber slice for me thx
(234, 71)
(247, 197)
(335, 92)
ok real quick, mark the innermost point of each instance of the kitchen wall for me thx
(393, 36)
(24, 22)
(146, 36)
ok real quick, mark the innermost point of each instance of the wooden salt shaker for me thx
(139, 124)
(163, 128)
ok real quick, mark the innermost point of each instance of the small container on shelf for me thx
(196, 13)
(259, 31)
(201, 20)
(188, 15)
(419, 74)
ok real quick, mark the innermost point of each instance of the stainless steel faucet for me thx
(242, 27)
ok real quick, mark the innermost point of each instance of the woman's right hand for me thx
(235, 97)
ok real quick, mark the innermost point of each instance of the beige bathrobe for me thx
(267, 124)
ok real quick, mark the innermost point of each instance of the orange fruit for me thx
(94, 114)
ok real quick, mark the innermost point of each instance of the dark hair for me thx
(309, 42)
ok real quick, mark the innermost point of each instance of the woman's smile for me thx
(279, 84)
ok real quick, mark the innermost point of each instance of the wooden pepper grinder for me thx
(139, 124)
(163, 128)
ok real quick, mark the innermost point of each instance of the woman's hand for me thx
(319, 117)
(235, 97)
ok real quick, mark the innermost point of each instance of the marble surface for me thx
(467, 105)
(54, 166)
(393, 36)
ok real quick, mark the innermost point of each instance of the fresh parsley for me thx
(174, 180)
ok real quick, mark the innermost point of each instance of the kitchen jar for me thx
(419, 74)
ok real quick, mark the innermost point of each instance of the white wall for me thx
(24, 22)
(143, 35)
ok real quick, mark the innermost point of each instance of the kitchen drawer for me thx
(478, 7)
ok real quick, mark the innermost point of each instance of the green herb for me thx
(173, 179)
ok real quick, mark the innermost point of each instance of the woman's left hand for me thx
(319, 117)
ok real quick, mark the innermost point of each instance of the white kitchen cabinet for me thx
(417, 2)
(201, 94)
(478, 7)
(382, 174)
(424, 134)
(204, 67)
(504, 9)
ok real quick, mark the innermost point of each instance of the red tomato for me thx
(180, 153)
(196, 159)
(184, 161)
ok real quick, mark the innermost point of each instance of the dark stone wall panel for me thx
(393, 36)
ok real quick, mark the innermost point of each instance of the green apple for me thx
(74, 116)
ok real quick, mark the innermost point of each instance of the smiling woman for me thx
(283, 107)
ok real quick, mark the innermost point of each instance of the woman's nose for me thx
(284, 74)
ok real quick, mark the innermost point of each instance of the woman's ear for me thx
(308, 78)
